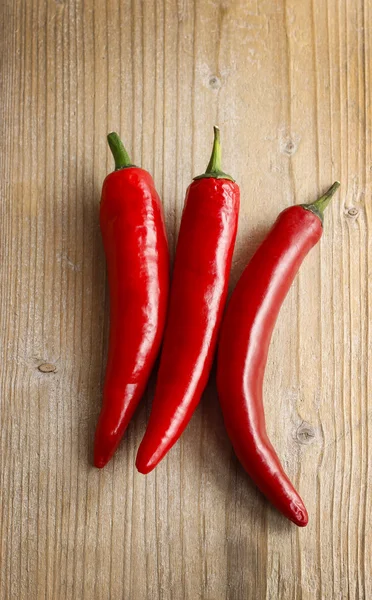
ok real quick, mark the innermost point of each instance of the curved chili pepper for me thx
(244, 342)
(136, 251)
(198, 293)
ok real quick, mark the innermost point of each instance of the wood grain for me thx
(289, 83)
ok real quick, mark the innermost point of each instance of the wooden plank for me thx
(289, 83)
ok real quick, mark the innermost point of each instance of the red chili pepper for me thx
(198, 293)
(244, 342)
(136, 251)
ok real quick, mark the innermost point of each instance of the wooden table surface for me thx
(289, 83)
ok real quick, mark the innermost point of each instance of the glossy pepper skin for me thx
(198, 293)
(137, 258)
(244, 342)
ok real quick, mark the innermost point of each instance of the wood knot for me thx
(288, 144)
(215, 82)
(352, 212)
(305, 433)
(47, 368)
(289, 148)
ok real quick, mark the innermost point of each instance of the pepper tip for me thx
(144, 467)
(299, 514)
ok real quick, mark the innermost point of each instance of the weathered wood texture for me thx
(289, 83)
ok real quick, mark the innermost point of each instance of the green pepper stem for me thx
(214, 168)
(318, 207)
(119, 152)
(322, 202)
(214, 165)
